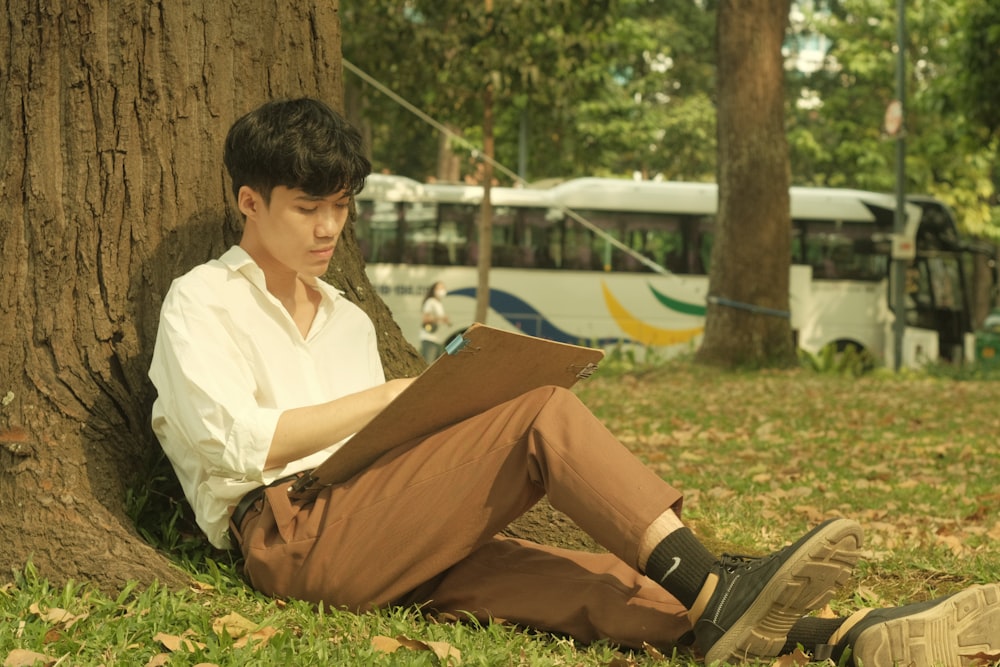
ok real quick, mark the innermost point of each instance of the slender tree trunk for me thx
(751, 255)
(111, 184)
(485, 258)
(449, 166)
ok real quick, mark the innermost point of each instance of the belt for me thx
(251, 498)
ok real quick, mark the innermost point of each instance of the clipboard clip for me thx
(583, 372)
(459, 343)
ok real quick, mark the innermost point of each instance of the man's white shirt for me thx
(228, 361)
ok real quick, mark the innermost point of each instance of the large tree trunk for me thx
(111, 184)
(751, 253)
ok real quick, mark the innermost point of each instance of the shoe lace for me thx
(733, 562)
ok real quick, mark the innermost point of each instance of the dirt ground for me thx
(546, 525)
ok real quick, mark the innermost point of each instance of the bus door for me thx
(937, 301)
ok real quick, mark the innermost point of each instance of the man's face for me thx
(297, 230)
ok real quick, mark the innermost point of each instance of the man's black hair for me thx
(300, 143)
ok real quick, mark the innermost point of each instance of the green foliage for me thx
(627, 86)
(625, 359)
(164, 518)
(980, 63)
(839, 142)
(598, 88)
(848, 359)
(974, 371)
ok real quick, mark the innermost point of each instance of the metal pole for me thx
(899, 226)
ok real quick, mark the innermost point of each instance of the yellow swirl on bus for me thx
(641, 332)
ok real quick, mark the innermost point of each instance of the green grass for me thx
(761, 456)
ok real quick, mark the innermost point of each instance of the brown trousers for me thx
(420, 526)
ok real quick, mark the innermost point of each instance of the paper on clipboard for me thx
(481, 368)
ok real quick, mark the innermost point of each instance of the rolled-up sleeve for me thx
(207, 392)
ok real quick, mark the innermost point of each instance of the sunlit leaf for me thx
(176, 644)
(22, 658)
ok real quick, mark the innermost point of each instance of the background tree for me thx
(565, 74)
(637, 93)
(835, 128)
(751, 250)
(655, 114)
(111, 184)
(836, 131)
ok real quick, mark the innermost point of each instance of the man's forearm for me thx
(304, 431)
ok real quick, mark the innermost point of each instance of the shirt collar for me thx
(239, 261)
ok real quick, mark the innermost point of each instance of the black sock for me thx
(680, 564)
(810, 631)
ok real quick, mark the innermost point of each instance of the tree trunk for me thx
(983, 293)
(751, 255)
(112, 184)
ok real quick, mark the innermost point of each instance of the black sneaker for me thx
(947, 632)
(757, 600)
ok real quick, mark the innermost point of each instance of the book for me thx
(480, 368)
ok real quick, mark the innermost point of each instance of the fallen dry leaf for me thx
(385, 644)
(653, 652)
(794, 659)
(57, 616)
(23, 658)
(258, 637)
(445, 652)
(621, 661)
(234, 625)
(982, 659)
(173, 643)
(827, 612)
(243, 630)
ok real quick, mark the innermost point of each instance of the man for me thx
(263, 370)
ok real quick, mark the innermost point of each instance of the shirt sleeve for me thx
(206, 391)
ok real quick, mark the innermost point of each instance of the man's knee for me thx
(559, 399)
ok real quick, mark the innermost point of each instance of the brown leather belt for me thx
(251, 498)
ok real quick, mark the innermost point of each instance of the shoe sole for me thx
(949, 634)
(806, 581)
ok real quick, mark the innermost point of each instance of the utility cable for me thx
(478, 154)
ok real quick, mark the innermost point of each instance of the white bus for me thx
(613, 262)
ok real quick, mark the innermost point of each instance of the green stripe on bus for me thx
(679, 306)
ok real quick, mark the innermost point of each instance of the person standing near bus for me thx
(432, 317)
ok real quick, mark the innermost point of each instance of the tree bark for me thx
(751, 254)
(112, 184)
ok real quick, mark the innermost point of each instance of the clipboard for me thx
(481, 368)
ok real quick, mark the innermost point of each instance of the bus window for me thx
(380, 228)
(945, 282)
(841, 250)
(578, 249)
(705, 251)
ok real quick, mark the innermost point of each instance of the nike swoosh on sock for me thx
(677, 564)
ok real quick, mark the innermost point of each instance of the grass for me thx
(761, 456)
